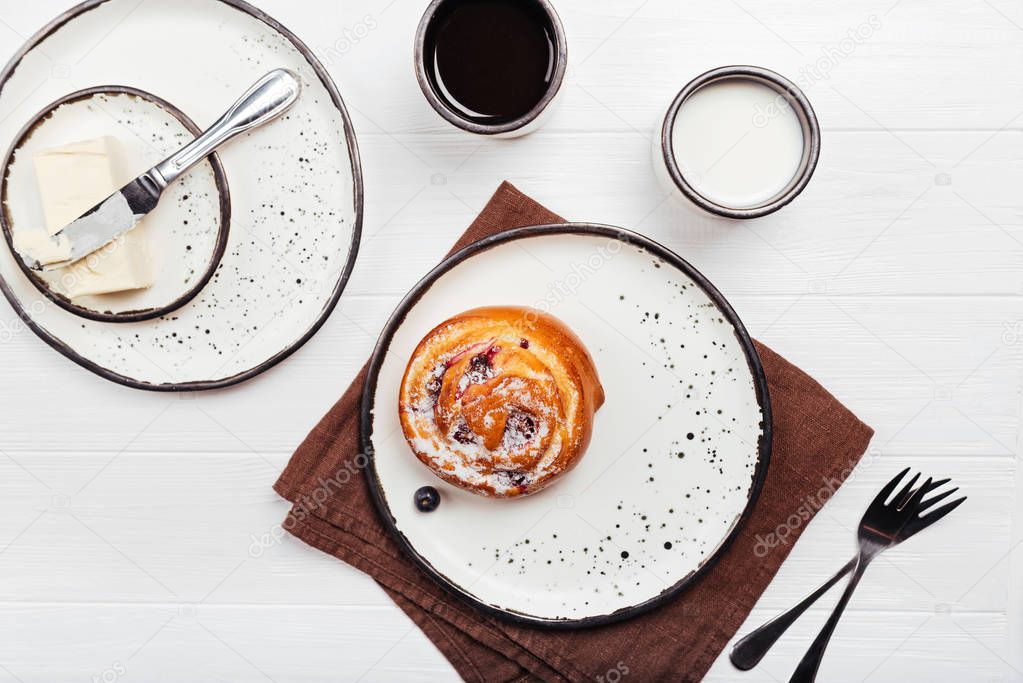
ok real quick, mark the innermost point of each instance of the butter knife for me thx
(267, 99)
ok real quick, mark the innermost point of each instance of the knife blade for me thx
(103, 223)
(267, 99)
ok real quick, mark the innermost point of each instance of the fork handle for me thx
(748, 651)
(806, 672)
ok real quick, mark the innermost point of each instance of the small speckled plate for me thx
(680, 448)
(296, 187)
(186, 233)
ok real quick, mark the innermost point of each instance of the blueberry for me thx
(522, 423)
(463, 434)
(479, 363)
(427, 499)
(512, 478)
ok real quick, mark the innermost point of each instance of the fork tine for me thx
(914, 501)
(933, 486)
(943, 510)
(920, 523)
(903, 496)
(883, 494)
(931, 502)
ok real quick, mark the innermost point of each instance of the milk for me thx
(737, 142)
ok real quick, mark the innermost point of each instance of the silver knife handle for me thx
(267, 99)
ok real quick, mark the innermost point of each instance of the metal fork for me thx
(883, 526)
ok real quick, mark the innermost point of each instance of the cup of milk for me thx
(738, 141)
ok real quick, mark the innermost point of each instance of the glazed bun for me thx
(500, 400)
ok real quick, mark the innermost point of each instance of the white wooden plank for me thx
(875, 219)
(1014, 561)
(627, 59)
(894, 646)
(181, 642)
(157, 527)
(319, 644)
(932, 375)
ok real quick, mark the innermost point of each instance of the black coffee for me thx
(491, 61)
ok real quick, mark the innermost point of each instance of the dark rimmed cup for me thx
(520, 125)
(121, 316)
(666, 163)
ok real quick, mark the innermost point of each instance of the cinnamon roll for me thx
(500, 400)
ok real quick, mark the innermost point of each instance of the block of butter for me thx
(72, 179)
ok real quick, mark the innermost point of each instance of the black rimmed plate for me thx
(296, 187)
(679, 452)
(185, 235)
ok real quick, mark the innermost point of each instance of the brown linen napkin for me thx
(817, 442)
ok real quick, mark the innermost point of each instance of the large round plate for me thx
(679, 451)
(296, 187)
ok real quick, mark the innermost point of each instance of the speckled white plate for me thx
(296, 187)
(186, 233)
(679, 450)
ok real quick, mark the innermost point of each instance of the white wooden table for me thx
(130, 523)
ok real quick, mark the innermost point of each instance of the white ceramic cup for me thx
(671, 174)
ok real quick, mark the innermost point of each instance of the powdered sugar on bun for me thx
(500, 400)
